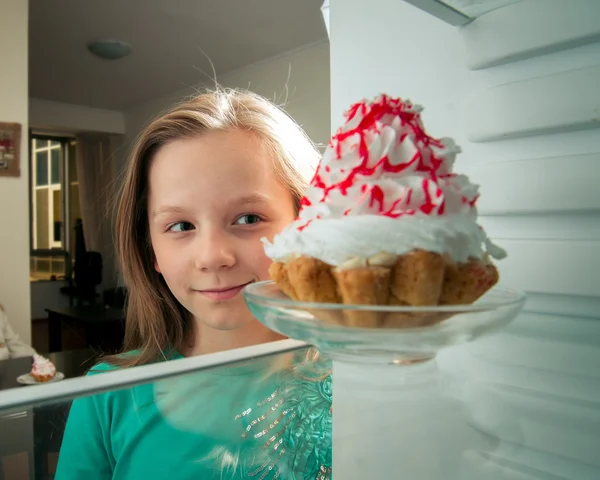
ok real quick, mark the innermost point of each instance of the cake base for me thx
(417, 279)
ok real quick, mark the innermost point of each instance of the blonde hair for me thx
(156, 321)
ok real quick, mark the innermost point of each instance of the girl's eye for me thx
(181, 227)
(248, 219)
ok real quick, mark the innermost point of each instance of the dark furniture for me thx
(37, 432)
(72, 363)
(103, 327)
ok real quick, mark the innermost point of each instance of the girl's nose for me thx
(215, 250)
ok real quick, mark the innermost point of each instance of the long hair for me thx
(156, 323)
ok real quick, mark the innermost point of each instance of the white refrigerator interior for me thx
(517, 88)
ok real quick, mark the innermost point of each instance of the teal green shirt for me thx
(259, 421)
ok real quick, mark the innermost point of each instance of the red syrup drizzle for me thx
(425, 161)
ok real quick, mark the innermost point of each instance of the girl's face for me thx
(211, 199)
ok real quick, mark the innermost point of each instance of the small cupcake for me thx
(43, 369)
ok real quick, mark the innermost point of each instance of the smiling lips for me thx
(221, 294)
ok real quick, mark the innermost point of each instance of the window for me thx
(54, 208)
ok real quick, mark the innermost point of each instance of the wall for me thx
(306, 99)
(74, 118)
(529, 135)
(14, 192)
(44, 295)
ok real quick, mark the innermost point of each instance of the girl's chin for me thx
(228, 320)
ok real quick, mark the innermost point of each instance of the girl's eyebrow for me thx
(167, 209)
(254, 198)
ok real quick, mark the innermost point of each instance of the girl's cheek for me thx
(265, 263)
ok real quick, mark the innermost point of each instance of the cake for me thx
(385, 221)
(43, 369)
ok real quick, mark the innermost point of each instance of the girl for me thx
(205, 182)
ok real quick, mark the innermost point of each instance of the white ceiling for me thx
(167, 37)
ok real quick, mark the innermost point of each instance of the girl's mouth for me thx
(223, 294)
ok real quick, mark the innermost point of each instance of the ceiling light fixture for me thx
(109, 49)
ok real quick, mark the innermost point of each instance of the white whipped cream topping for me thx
(42, 366)
(337, 241)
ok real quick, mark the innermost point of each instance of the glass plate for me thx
(389, 334)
